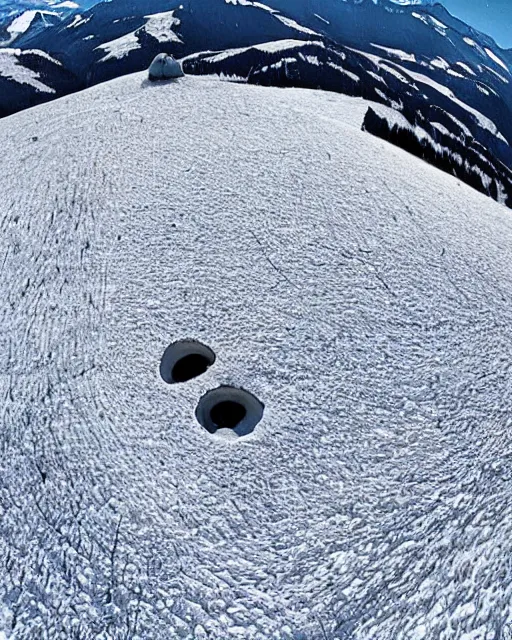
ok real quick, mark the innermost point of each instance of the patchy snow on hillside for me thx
(274, 46)
(360, 294)
(283, 45)
(430, 21)
(78, 21)
(12, 67)
(494, 73)
(160, 26)
(349, 74)
(67, 4)
(438, 23)
(482, 120)
(440, 63)
(20, 24)
(389, 69)
(37, 52)
(397, 53)
(466, 68)
(321, 19)
(120, 47)
(289, 22)
(496, 59)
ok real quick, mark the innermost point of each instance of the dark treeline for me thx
(464, 158)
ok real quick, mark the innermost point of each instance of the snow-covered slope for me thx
(387, 79)
(360, 294)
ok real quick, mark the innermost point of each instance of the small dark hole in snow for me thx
(229, 409)
(185, 360)
(227, 414)
(190, 367)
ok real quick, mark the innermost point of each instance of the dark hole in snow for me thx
(185, 360)
(229, 408)
(190, 367)
(227, 414)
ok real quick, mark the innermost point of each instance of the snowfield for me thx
(361, 295)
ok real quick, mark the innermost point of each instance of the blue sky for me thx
(490, 16)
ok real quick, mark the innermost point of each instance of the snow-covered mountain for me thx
(428, 50)
(28, 16)
(456, 130)
(116, 37)
(31, 76)
(32, 19)
(361, 295)
(131, 33)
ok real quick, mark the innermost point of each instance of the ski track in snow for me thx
(361, 294)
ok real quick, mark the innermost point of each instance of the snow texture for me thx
(361, 295)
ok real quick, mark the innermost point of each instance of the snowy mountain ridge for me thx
(19, 18)
(22, 23)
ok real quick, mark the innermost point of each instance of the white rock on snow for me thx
(164, 67)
